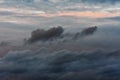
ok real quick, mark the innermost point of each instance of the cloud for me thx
(89, 31)
(117, 18)
(87, 14)
(46, 65)
(57, 33)
(75, 1)
(26, 11)
(41, 34)
(86, 32)
(63, 5)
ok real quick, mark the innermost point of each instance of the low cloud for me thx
(60, 65)
(41, 34)
(57, 33)
(86, 32)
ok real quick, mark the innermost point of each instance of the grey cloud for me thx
(57, 33)
(41, 34)
(113, 18)
(88, 1)
(94, 1)
(62, 5)
(60, 65)
(5, 13)
(86, 32)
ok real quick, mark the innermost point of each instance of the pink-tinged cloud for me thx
(81, 14)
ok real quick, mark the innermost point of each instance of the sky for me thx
(12, 10)
(21, 11)
(18, 18)
(52, 8)
(66, 57)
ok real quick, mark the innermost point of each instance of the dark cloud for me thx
(60, 65)
(86, 32)
(56, 32)
(89, 31)
(41, 34)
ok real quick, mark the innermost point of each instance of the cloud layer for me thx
(19, 17)
(56, 33)
(34, 7)
(60, 65)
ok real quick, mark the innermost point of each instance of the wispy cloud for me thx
(62, 5)
(81, 14)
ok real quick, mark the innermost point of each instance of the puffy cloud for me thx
(89, 31)
(41, 34)
(86, 32)
(56, 33)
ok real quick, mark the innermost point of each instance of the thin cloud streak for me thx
(81, 14)
(89, 14)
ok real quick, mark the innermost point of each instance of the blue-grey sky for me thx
(60, 58)
(21, 11)
(19, 17)
(63, 7)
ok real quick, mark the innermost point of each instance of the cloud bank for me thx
(45, 64)
(53, 62)
(57, 33)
